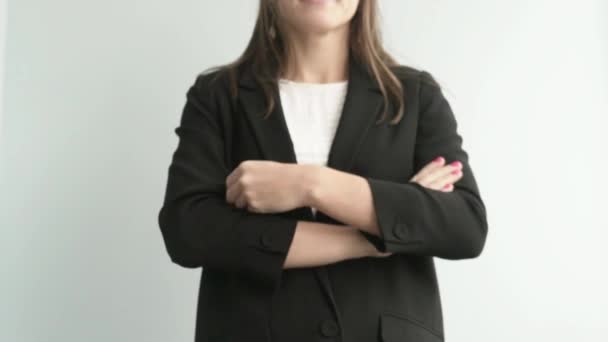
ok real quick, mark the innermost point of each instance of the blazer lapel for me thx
(271, 134)
(361, 107)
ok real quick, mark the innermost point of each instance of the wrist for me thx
(312, 181)
(357, 246)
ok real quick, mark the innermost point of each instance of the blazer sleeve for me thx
(198, 226)
(418, 220)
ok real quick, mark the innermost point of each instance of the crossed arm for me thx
(201, 229)
(347, 198)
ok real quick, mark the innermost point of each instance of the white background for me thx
(3, 20)
(93, 90)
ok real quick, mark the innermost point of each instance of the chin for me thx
(318, 16)
(322, 26)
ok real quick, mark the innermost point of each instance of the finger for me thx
(449, 178)
(437, 174)
(448, 188)
(241, 201)
(233, 176)
(449, 174)
(428, 168)
(384, 254)
(233, 192)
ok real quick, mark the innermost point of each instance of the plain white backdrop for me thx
(92, 91)
(2, 48)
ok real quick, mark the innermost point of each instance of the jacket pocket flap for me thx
(398, 328)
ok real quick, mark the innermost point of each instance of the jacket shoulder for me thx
(409, 74)
(212, 80)
(211, 89)
(406, 72)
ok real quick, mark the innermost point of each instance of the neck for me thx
(317, 57)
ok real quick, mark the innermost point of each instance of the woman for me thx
(312, 219)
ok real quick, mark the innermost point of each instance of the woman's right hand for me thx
(438, 176)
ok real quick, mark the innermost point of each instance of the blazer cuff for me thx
(417, 220)
(265, 248)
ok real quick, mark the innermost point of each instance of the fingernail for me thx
(456, 163)
(455, 172)
(438, 159)
(447, 186)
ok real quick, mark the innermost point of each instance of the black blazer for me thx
(245, 295)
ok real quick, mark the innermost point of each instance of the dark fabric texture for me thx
(244, 293)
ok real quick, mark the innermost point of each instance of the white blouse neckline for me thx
(312, 84)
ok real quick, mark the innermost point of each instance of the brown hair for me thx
(266, 53)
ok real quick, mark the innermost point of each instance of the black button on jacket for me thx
(244, 294)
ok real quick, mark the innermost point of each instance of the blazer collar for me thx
(361, 105)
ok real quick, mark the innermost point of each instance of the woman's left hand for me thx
(265, 186)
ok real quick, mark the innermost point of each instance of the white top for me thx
(312, 112)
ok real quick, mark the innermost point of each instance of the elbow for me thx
(472, 241)
(480, 242)
(476, 246)
(474, 230)
(183, 260)
(176, 244)
(480, 232)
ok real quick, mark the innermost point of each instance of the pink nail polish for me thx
(456, 163)
(455, 172)
(438, 159)
(447, 186)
